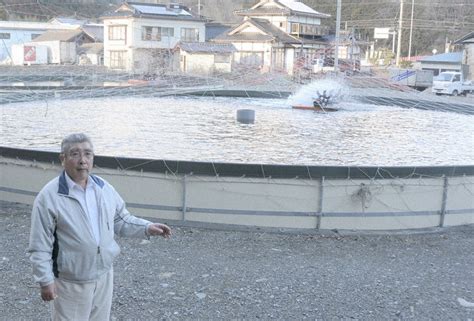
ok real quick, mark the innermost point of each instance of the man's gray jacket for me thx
(62, 243)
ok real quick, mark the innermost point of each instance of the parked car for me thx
(451, 83)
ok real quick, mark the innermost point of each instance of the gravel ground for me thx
(218, 274)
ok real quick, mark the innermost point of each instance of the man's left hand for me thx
(159, 229)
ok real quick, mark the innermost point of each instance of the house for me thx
(139, 37)
(62, 44)
(467, 43)
(277, 35)
(205, 58)
(450, 61)
(20, 32)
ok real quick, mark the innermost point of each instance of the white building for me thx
(277, 34)
(450, 61)
(63, 44)
(204, 58)
(139, 37)
(20, 32)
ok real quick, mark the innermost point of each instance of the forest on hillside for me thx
(435, 22)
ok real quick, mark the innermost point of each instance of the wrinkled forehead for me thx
(81, 147)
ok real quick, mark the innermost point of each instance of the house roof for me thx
(60, 35)
(67, 21)
(96, 31)
(281, 7)
(301, 7)
(91, 48)
(450, 57)
(268, 32)
(206, 47)
(36, 26)
(469, 38)
(154, 11)
(215, 29)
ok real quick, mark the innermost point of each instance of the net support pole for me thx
(183, 218)
(443, 201)
(320, 204)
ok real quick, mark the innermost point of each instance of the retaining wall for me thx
(269, 196)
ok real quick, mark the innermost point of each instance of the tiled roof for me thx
(213, 30)
(282, 7)
(251, 37)
(59, 35)
(95, 31)
(263, 11)
(273, 30)
(68, 21)
(450, 57)
(210, 47)
(270, 31)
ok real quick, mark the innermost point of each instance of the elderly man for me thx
(72, 246)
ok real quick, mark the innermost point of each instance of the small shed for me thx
(62, 44)
(91, 54)
(205, 58)
(450, 61)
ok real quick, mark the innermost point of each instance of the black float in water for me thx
(246, 116)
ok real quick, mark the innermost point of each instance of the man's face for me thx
(78, 161)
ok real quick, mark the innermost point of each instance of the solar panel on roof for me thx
(160, 10)
(154, 10)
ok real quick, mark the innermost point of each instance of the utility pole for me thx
(199, 8)
(338, 29)
(411, 27)
(399, 44)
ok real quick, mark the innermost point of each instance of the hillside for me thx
(435, 22)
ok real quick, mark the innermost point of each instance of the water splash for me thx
(334, 87)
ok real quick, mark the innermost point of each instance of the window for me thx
(117, 59)
(295, 28)
(251, 58)
(151, 33)
(155, 33)
(4, 35)
(167, 32)
(35, 35)
(189, 34)
(117, 32)
(221, 58)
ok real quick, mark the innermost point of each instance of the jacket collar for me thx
(64, 188)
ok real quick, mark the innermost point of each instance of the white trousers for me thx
(83, 301)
